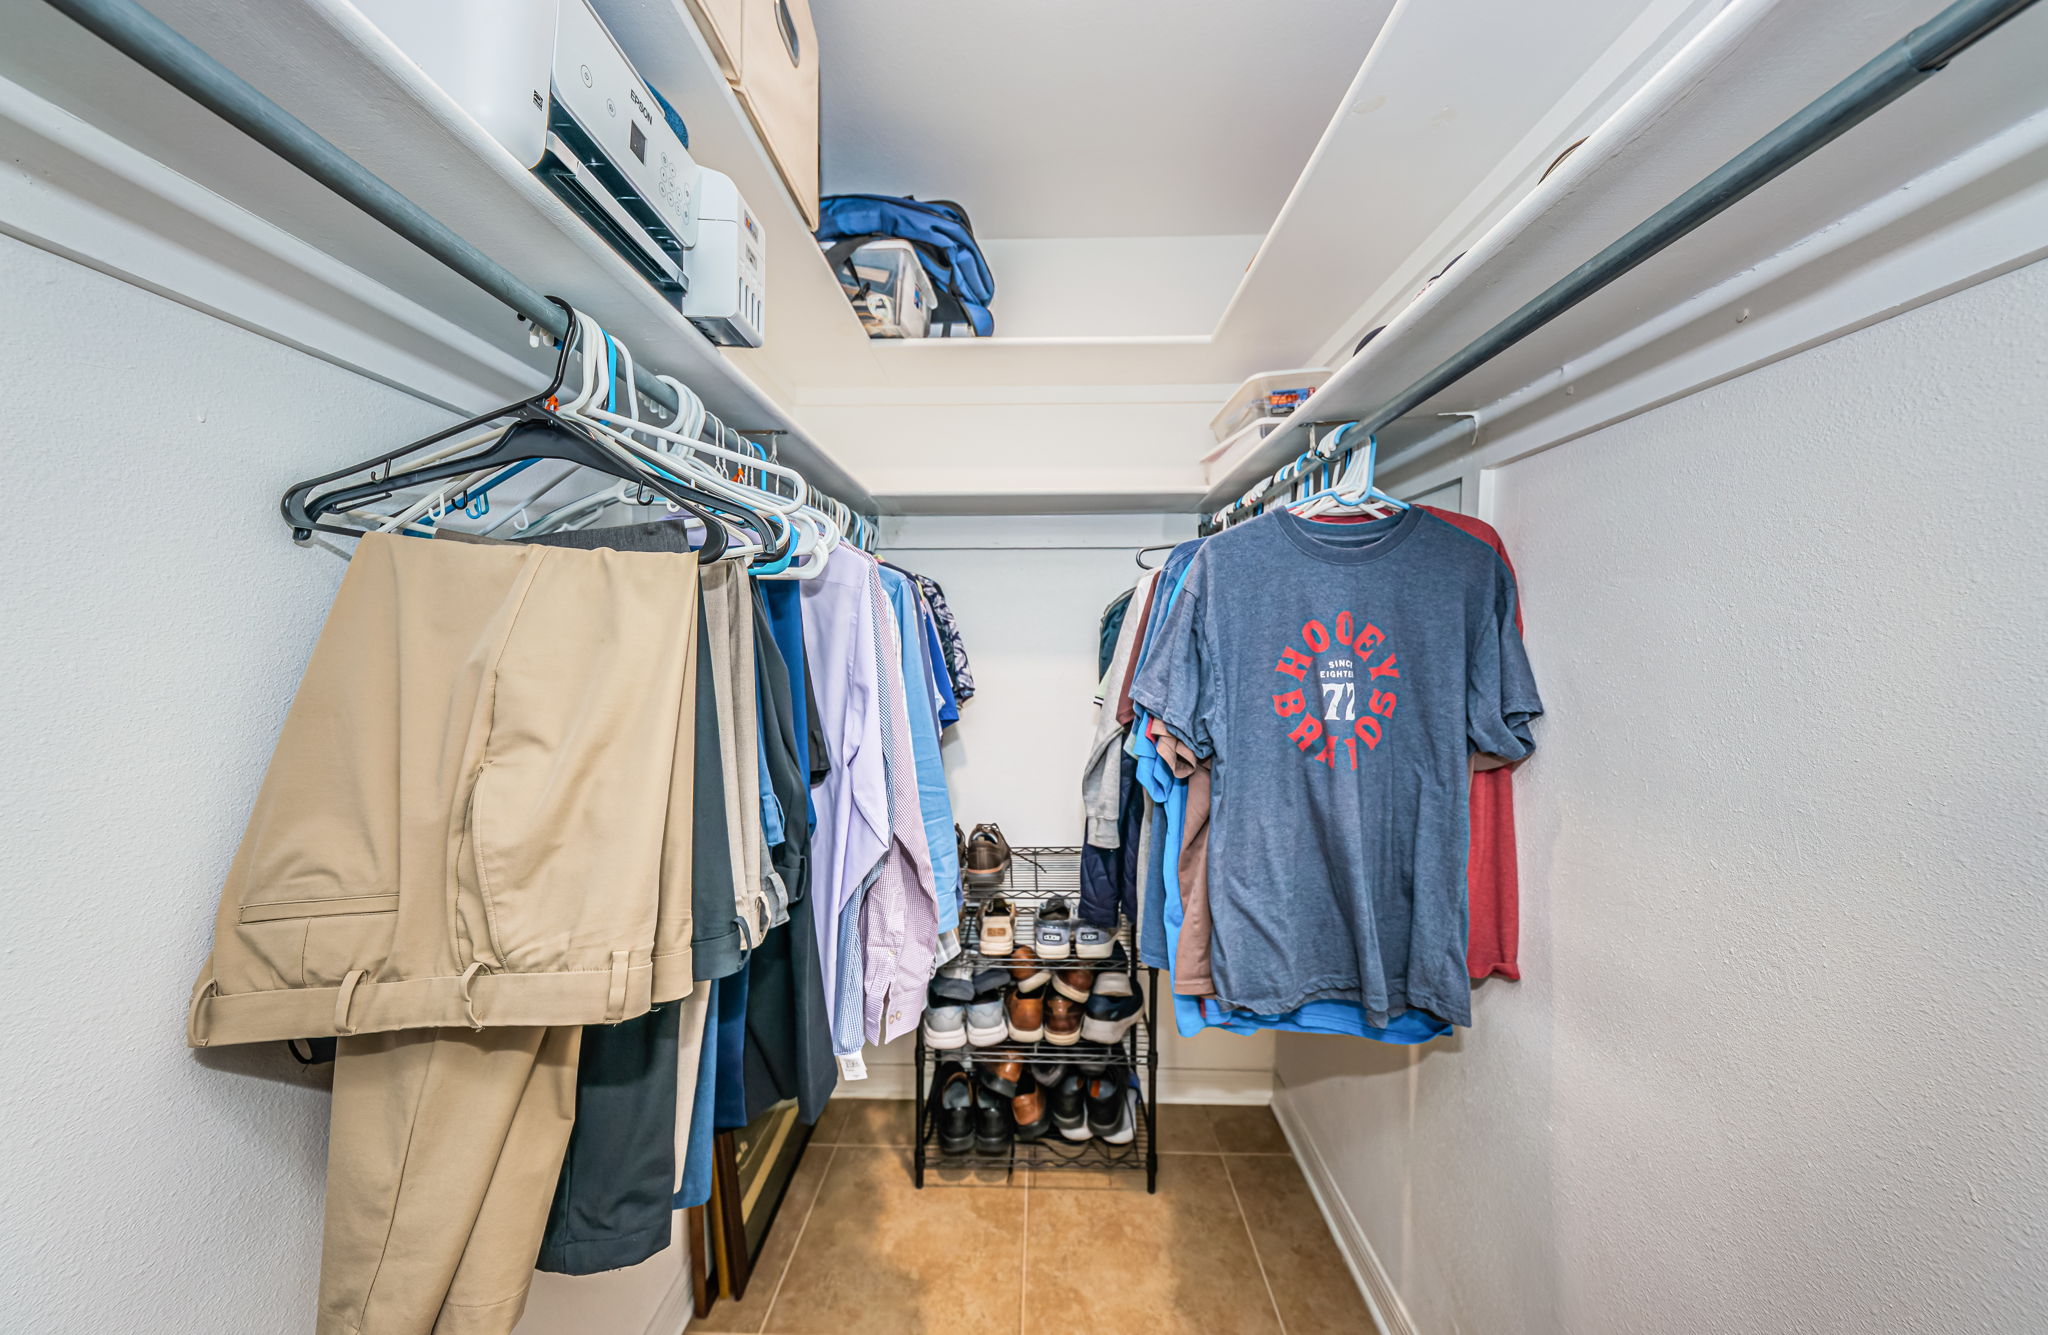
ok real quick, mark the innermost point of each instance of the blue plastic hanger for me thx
(1368, 493)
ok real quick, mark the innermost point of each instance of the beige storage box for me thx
(721, 22)
(769, 52)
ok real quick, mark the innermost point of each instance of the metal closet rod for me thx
(166, 53)
(1921, 54)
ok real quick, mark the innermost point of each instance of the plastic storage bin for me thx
(889, 289)
(1268, 394)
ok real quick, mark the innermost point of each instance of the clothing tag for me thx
(853, 1067)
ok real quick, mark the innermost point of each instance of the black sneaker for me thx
(993, 1126)
(1070, 1108)
(1108, 1019)
(1091, 1059)
(952, 1109)
(1108, 1110)
(1048, 1073)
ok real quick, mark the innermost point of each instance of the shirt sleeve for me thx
(1500, 693)
(1175, 683)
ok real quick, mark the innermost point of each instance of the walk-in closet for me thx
(871, 667)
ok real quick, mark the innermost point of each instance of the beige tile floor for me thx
(1232, 1244)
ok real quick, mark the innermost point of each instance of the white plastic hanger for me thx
(678, 449)
(1354, 489)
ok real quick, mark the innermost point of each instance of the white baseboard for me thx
(1215, 1085)
(893, 1080)
(678, 1307)
(886, 1080)
(1374, 1283)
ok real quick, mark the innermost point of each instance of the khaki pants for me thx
(441, 1164)
(480, 810)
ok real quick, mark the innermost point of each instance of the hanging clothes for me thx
(953, 647)
(922, 704)
(1304, 910)
(789, 1043)
(852, 831)
(899, 913)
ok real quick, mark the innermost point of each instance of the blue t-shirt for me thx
(1339, 677)
(1191, 1014)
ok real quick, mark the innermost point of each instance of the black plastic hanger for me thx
(533, 432)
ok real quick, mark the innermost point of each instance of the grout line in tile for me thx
(1024, 1253)
(1253, 1238)
(796, 1243)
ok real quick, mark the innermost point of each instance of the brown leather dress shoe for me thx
(1026, 1015)
(1002, 1077)
(1030, 1110)
(1026, 969)
(988, 855)
(1074, 984)
(1062, 1021)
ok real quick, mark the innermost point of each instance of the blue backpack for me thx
(944, 239)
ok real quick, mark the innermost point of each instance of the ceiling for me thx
(1080, 118)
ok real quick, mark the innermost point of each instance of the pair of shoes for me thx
(1056, 934)
(969, 1115)
(1104, 1107)
(1030, 1111)
(984, 855)
(979, 1020)
(1034, 1019)
(959, 982)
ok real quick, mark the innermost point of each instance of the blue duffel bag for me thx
(945, 243)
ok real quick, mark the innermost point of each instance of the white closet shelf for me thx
(1937, 162)
(327, 65)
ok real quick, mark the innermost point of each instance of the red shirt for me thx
(1490, 862)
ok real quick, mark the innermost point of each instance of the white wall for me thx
(1029, 592)
(151, 652)
(1071, 287)
(157, 617)
(1778, 1061)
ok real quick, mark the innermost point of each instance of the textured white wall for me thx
(1781, 1059)
(150, 654)
(1029, 592)
(157, 617)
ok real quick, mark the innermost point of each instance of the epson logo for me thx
(634, 93)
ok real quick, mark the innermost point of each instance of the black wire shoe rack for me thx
(1037, 877)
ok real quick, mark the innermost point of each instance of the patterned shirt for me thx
(949, 637)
